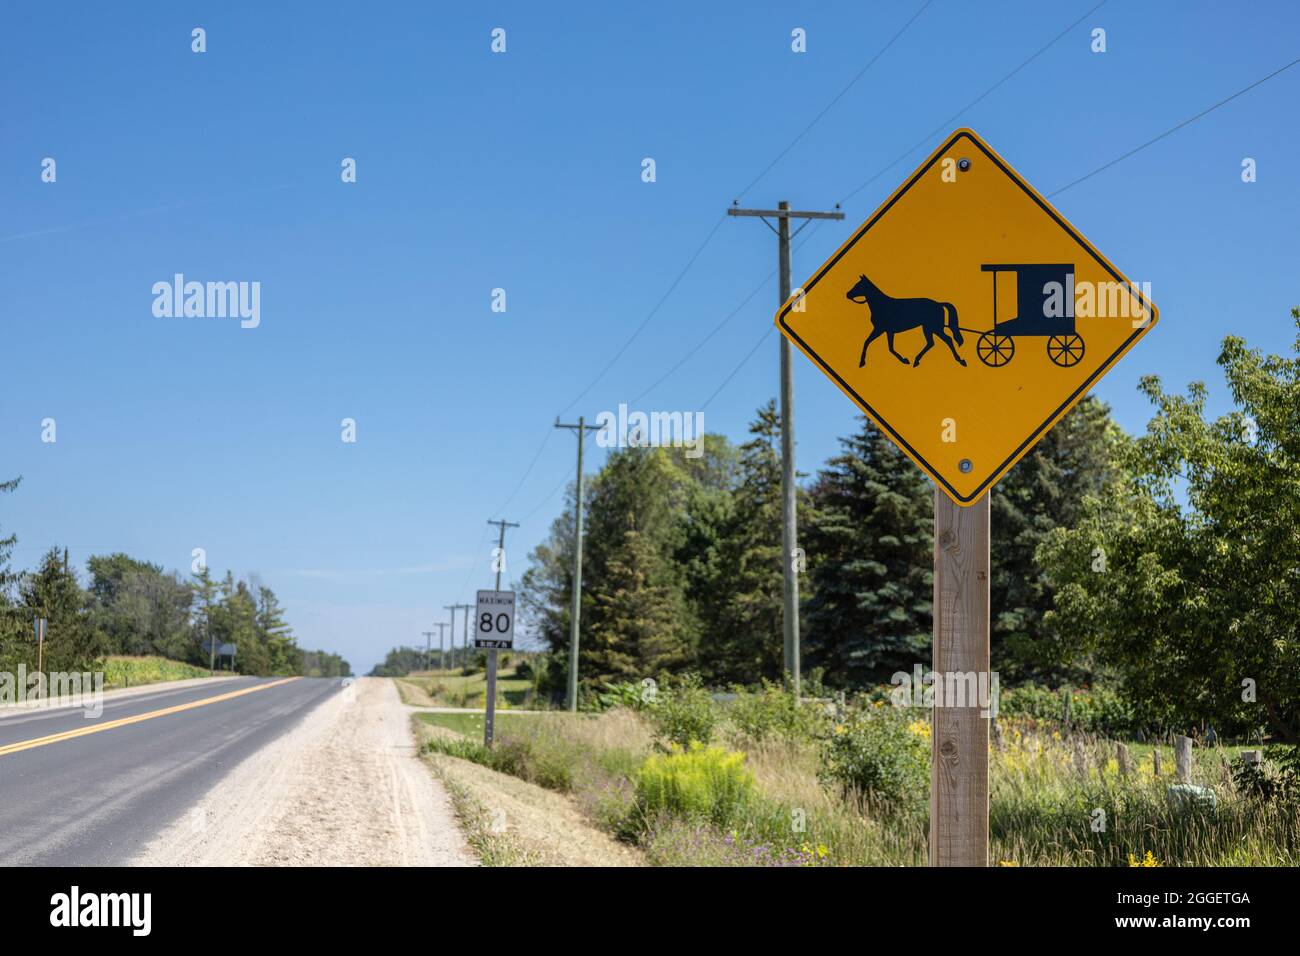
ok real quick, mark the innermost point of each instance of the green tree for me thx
(870, 554)
(740, 532)
(1183, 575)
(52, 592)
(139, 608)
(1044, 490)
(205, 609)
(285, 657)
(12, 625)
(631, 582)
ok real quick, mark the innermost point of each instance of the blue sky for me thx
(523, 171)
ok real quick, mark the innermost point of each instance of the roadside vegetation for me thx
(1142, 587)
(467, 687)
(755, 781)
(121, 607)
(122, 672)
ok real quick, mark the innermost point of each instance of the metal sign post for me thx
(486, 640)
(494, 624)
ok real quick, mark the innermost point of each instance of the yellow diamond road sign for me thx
(966, 316)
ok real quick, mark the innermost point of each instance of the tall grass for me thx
(133, 671)
(1055, 800)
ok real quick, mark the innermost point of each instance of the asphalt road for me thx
(97, 798)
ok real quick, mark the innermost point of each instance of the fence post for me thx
(1121, 754)
(1183, 758)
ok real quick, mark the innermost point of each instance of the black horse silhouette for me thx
(890, 316)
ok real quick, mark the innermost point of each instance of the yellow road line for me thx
(150, 715)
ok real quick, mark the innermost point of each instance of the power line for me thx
(1173, 129)
(946, 124)
(527, 471)
(652, 313)
(748, 355)
(712, 232)
(729, 316)
(838, 96)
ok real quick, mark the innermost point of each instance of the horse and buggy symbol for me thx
(995, 347)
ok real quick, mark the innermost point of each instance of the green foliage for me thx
(869, 543)
(684, 713)
(879, 754)
(134, 671)
(1044, 490)
(704, 783)
(771, 712)
(52, 592)
(1101, 711)
(399, 662)
(733, 552)
(630, 694)
(139, 608)
(1177, 577)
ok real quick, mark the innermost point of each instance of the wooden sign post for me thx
(959, 765)
(965, 317)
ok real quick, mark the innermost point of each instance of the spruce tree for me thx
(869, 544)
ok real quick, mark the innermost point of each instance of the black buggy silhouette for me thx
(997, 346)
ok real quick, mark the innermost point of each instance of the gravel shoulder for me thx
(516, 823)
(345, 787)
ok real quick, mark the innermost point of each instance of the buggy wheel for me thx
(995, 349)
(1065, 350)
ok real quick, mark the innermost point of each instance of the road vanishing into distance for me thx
(91, 792)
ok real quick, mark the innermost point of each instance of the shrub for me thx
(1096, 710)
(772, 712)
(879, 755)
(698, 783)
(629, 694)
(684, 714)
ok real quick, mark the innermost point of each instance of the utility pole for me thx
(490, 717)
(789, 538)
(442, 654)
(575, 612)
(428, 636)
(464, 650)
(452, 609)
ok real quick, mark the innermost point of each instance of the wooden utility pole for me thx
(428, 638)
(575, 611)
(490, 716)
(959, 767)
(464, 650)
(442, 637)
(789, 536)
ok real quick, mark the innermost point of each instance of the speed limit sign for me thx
(494, 619)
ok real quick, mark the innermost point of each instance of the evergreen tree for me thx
(205, 609)
(630, 577)
(52, 592)
(11, 624)
(870, 552)
(744, 640)
(285, 657)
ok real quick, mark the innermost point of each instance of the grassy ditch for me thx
(757, 781)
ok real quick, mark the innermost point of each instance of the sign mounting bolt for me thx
(964, 466)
